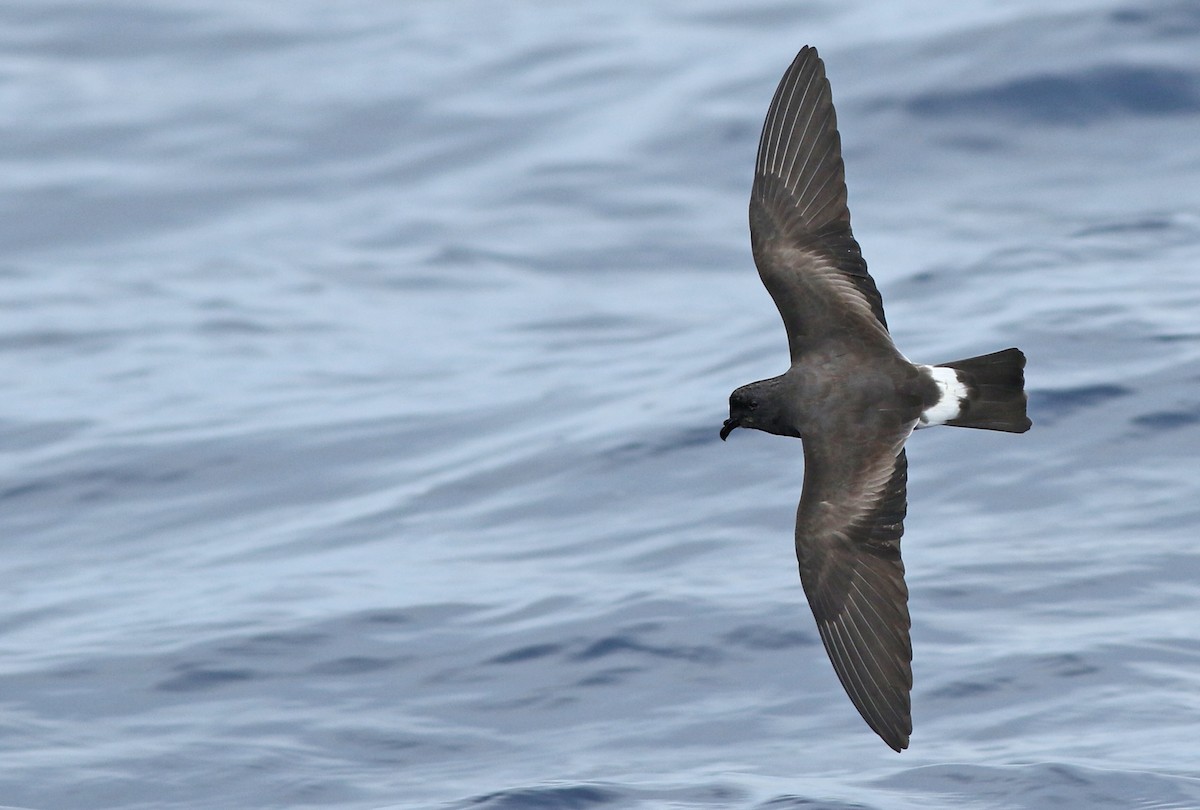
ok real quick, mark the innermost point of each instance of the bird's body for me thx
(851, 397)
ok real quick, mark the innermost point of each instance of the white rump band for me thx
(949, 404)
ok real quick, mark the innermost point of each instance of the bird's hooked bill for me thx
(728, 427)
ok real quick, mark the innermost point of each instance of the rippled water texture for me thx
(363, 365)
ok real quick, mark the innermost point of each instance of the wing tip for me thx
(897, 742)
(799, 174)
(884, 704)
(892, 724)
(893, 728)
(808, 56)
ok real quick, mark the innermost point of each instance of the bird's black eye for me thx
(742, 403)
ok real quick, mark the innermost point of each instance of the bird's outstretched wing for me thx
(799, 223)
(848, 530)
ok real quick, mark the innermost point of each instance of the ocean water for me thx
(363, 365)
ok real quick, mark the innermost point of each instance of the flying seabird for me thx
(851, 398)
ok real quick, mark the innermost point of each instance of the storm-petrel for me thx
(851, 398)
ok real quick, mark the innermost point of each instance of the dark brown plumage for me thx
(851, 397)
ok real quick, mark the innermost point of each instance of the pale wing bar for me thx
(854, 579)
(798, 217)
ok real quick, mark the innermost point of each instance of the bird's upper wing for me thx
(799, 223)
(848, 530)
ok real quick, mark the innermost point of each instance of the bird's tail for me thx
(995, 386)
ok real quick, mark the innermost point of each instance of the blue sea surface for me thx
(362, 371)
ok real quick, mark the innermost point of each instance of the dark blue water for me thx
(363, 365)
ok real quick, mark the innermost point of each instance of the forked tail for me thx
(995, 388)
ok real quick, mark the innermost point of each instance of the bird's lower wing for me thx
(848, 545)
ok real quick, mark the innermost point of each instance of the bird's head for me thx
(761, 405)
(742, 407)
